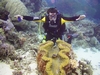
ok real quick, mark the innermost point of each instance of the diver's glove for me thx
(19, 17)
(81, 17)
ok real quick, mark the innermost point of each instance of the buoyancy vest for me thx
(54, 27)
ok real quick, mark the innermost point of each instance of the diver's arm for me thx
(28, 18)
(81, 17)
(75, 18)
(70, 18)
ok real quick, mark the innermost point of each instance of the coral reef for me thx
(7, 25)
(59, 60)
(97, 32)
(33, 5)
(13, 38)
(2, 4)
(85, 69)
(7, 50)
(7, 30)
(88, 33)
(2, 36)
(94, 41)
(17, 73)
(15, 7)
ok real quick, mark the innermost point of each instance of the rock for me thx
(94, 41)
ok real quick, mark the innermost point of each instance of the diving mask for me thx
(52, 16)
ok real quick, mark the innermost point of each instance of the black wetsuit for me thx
(53, 29)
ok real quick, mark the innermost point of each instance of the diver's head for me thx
(52, 13)
(52, 10)
(4, 15)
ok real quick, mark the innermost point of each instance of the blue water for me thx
(71, 7)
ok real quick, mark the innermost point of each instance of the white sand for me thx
(33, 67)
(94, 57)
(5, 69)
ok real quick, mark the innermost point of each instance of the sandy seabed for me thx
(5, 69)
(93, 56)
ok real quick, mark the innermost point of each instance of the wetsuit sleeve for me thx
(29, 18)
(70, 18)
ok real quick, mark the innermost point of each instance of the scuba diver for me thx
(54, 23)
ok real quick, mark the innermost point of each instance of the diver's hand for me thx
(81, 17)
(19, 17)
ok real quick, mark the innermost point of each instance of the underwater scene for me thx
(49, 37)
